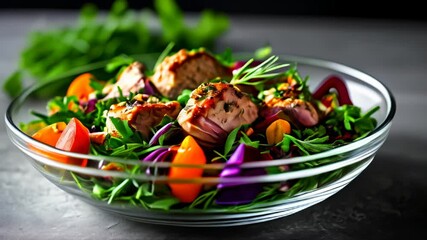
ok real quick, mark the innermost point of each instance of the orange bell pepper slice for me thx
(50, 134)
(189, 152)
(276, 129)
(80, 86)
(72, 137)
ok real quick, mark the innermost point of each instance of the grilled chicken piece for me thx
(297, 111)
(186, 70)
(130, 81)
(283, 98)
(142, 113)
(98, 137)
(214, 110)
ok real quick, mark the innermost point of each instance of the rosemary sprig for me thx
(260, 73)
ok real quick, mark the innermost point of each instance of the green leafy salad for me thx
(196, 108)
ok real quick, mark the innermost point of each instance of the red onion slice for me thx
(155, 139)
(336, 83)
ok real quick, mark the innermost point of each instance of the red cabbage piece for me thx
(236, 193)
(90, 106)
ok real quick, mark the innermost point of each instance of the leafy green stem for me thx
(260, 73)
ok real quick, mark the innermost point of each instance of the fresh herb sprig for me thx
(259, 74)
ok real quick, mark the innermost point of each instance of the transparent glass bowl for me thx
(323, 180)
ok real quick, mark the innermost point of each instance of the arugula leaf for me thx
(123, 128)
(301, 82)
(163, 203)
(184, 97)
(350, 118)
(205, 200)
(118, 189)
(230, 142)
(366, 123)
(247, 141)
(307, 146)
(101, 193)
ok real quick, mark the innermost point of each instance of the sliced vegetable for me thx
(98, 137)
(275, 131)
(81, 87)
(154, 155)
(337, 83)
(74, 138)
(188, 153)
(50, 134)
(159, 155)
(159, 133)
(240, 193)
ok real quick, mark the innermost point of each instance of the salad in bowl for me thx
(204, 139)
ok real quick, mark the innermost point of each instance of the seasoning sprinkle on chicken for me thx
(214, 110)
(187, 70)
(142, 113)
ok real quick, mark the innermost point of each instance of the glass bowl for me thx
(330, 171)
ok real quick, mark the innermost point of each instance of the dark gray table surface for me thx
(387, 201)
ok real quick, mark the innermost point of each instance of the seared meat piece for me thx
(186, 70)
(298, 112)
(142, 113)
(214, 110)
(284, 96)
(130, 81)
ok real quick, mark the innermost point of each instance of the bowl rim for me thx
(313, 62)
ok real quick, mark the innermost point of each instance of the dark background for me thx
(400, 10)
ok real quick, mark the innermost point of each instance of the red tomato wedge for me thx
(188, 153)
(74, 138)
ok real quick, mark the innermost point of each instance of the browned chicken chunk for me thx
(142, 113)
(131, 80)
(297, 111)
(186, 70)
(214, 110)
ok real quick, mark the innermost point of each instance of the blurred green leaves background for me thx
(65, 51)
